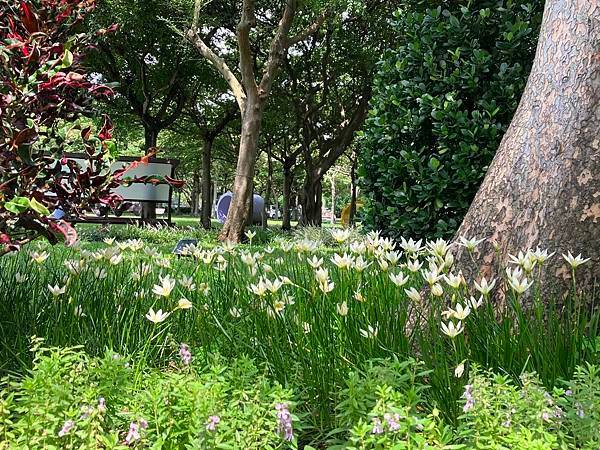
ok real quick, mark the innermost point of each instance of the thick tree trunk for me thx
(206, 184)
(150, 140)
(333, 200)
(312, 202)
(288, 179)
(543, 187)
(241, 203)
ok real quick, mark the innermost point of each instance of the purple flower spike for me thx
(185, 354)
(67, 426)
(377, 427)
(134, 433)
(211, 425)
(285, 426)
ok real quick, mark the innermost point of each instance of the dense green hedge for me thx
(442, 100)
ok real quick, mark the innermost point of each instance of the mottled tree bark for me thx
(194, 197)
(150, 140)
(543, 186)
(312, 202)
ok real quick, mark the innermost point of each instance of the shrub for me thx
(443, 98)
(70, 400)
(43, 92)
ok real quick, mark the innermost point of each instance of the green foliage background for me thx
(443, 98)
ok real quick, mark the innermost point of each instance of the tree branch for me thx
(247, 21)
(310, 30)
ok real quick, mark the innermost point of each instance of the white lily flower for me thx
(187, 282)
(342, 309)
(431, 276)
(400, 279)
(438, 247)
(250, 235)
(342, 262)
(39, 257)
(475, 303)
(165, 287)
(158, 316)
(413, 294)
(184, 303)
(454, 281)
(460, 312)
(484, 287)
(360, 264)
(19, 278)
(259, 289)
(519, 286)
(469, 244)
(235, 312)
(542, 255)
(437, 290)
(340, 235)
(459, 370)
(575, 261)
(452, 330)
(56, 290)
(414, 265)
(315, 262)
(411, 246)
(370, 332)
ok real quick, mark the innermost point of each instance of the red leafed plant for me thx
(44, 94)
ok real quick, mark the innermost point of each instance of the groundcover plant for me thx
(313, 319)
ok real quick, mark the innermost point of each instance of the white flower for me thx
(360, 264)
(393, 257)
(204, 288)
(165, 263)
(431, 276)
(248, 259)
(286, 246)
(39, 257)
(469, 244)
(399, 280)
(438, 247)
(79, 311)
(519, 286)
(411, 246)
(484, 287)
(437, 290)
(116, 259)
(475, 303)
(269, 250)
(56, 290)
(453, 281)
(387, 244)
(342, 309)
(277, 309)
(73, 266)
(326, 287)
(187, 282)
(414, 265)
(315, 262)
(322, 275)
(413, 294)
(340, 235)
(383, 264)
(109, 241)
(20, 278)
(184, 303)
(358, 247)
(459, 370)
(165, 287)
(306, 327)
(153, 253)
(250, 235)
(542, 255)
(259, 288)
(526, 260)
(574, 261)
(100, 273)
(359, 297)
(158, 316)
(461, 313)
(369, 333)
(342, 262)
(451, 330)
(235, 312)
(273, 286)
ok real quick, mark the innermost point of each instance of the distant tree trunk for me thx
(353, 193)
(312, 202)
(332, 199)
(150, 140)
(543, 186)
(269, 187)
(241, 202)
(206, 184)
(288, 179)
(194, 203)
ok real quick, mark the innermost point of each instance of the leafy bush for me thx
(70, 400)
(442, 100)
(43, 92)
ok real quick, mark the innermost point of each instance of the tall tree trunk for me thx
(194, 197)
(206, 184)
(241, 203)
(353, 192)
(543, 186)
(288, 179)
(312, 202)
(150, 140)
(332, 199)
(269, 188)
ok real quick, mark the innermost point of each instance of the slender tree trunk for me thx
(241, 203)
(150, 139)
(332, 199)
(311, 200)
(543, 186)
(269, 188)
(353, 193)
(288, 179)
(206, 184)
(194, 197)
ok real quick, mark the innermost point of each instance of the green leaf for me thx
(434, 163)
(67, 60)
(38, 207)
(17, 205)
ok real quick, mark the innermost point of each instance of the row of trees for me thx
(218, 84)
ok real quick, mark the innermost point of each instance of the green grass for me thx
(306, 337)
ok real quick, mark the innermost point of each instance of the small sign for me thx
(183, 244)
